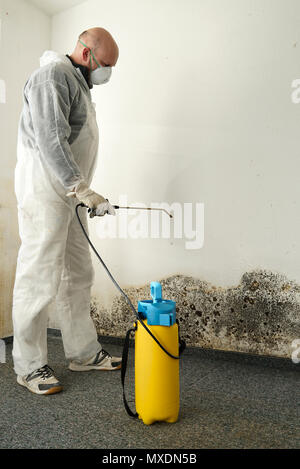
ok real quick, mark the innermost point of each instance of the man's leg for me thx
(43, 231)
(73, 301)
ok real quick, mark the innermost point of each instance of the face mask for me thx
(102, 74)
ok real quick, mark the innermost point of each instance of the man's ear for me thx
(85, 54)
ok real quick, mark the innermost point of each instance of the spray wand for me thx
(93, 211)
(144, 208)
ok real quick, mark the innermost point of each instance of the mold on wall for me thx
(260, 315)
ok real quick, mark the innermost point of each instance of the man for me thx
(57, 152)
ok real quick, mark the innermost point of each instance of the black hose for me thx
(139, 318)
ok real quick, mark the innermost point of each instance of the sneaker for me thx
(102, 361)
(41, 381)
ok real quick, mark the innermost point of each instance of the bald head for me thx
(102, 44)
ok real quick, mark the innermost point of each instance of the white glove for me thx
(102, 209)
(97, 204)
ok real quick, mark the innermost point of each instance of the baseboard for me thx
(205, 353)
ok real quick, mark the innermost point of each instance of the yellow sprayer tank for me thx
(156, 373)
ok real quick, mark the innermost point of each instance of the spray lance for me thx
(148, 415)
(93, 211)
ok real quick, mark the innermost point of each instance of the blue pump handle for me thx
(155, 290)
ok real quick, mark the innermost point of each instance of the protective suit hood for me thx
(50, 56)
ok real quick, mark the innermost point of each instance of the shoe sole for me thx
(89, 368)
(41, 393)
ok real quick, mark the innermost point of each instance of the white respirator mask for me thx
(100, 75)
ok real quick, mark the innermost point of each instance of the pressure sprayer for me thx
(156, 365)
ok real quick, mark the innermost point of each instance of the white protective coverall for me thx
(57, 148)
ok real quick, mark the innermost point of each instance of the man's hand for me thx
(97, 204)
(102, 209)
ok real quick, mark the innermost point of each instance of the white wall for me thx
(24, 34)
(199, 109)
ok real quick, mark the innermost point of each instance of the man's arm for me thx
(50, 106)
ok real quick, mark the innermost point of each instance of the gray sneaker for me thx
(102, 361)
(41, 381)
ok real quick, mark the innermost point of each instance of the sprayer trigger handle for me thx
(114, 206)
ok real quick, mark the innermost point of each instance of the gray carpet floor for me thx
(228, 400)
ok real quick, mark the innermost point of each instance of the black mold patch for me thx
(261, 315)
